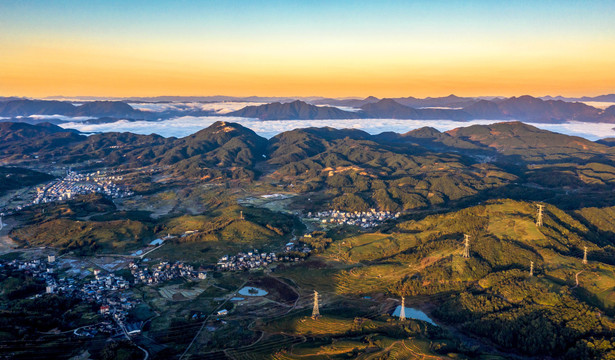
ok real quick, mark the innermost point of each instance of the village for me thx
(164, 271)
(363, 219)
(81, 184)
(108, 290)
(256, 260)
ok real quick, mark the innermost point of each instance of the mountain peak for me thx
(296, 110)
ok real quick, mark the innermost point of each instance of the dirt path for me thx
(576, 278)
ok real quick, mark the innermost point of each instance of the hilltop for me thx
(296, 110)
(357, 170)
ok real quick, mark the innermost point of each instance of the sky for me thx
(306, 48)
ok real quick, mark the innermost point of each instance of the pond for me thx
(252, 291)
(412, 313)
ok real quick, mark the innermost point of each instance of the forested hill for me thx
(419, 169)
(296, 110)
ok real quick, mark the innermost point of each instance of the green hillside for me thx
(362, 174)
(490, 293)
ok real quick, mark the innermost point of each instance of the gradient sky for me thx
(307, 47)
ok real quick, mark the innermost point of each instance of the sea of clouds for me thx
(217, 107)
(186, 125)
(599, 104)
(57, 117)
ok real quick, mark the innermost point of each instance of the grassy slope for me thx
(503, 236)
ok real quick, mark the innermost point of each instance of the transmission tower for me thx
(1, 224)
(315, 311)
(539, 220)
(402, 311)
(466, 250)
(241, 215)
(531, 268)
(585, 255)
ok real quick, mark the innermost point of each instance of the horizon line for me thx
(51, 97)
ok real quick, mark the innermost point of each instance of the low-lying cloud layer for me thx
(59, 117)
(599, 104)
(183, 126)
(218, 107)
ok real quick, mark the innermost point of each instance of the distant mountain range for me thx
(448, 101)
(296, 110)
(524, 108)
(24, 107)
(600, 98)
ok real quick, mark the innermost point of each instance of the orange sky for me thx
(267, 61)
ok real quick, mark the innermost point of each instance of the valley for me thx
(364, 220)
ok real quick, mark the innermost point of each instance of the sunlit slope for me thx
(360, 173)
(425, 256)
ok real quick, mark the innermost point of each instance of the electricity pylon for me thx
(539, 220)
(466, 250)
(531, 268)
(315, 310)
(402, 311)
(585, 255)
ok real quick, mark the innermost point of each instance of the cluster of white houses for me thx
(163, 272)
(364, 219)
(81, 184)
(245, 261)
(255, 259)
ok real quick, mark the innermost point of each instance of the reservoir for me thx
(412, 313)
(252, 291)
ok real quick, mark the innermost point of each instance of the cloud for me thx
(599, 104)
(217, 107)
(186, 125)
(60, 117)
(345, 108)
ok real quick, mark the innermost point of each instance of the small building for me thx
(51, 259)
(222, 312)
